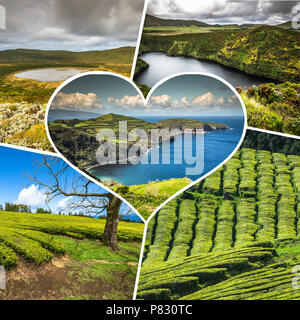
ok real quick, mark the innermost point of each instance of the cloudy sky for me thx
(193, 95)
(16, 187)
(224, 11)
(71, 25)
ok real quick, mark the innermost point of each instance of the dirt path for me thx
(64, 278)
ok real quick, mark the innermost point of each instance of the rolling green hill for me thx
(240, 223)
(152, 21)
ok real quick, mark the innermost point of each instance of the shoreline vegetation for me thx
(266, 51)
(15, 92)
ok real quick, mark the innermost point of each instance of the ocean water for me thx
(218, 145)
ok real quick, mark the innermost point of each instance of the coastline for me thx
(149, 149)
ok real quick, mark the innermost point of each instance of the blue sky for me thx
(193, 95)
(14, 184)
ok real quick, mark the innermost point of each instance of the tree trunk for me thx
(111, 226)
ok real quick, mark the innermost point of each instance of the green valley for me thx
(260, 50)
(266, 51)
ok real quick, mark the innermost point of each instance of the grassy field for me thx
(249, 206)
(68, 251)
(17, 94)
(174, 30)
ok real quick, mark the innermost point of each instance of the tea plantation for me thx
(31, 236)
(235, 235)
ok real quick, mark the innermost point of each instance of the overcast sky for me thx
(71, 25)
(224, 11)
(186, 95)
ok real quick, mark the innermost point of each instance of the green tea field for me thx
(235, 235)
(68, 252)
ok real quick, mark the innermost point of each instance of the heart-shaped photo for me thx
(146, 150)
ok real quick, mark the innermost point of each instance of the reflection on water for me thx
(162, 66)
(49, 74)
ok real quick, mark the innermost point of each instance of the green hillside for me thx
(152, 21)
(200, 242)
(286, 25)
(274, 107)
(148, 197)
(264, 51)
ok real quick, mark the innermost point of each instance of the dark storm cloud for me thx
(224, 11)
(71, 24)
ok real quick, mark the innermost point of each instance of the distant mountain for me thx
(151, 21)
(62, 114)
(286, 25)
(61, 57)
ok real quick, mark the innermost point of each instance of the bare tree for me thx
(61, 180)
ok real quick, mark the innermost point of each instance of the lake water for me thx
(218, 145)
(161, 66)
(49, 75)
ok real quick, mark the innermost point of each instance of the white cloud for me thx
(221, 100)
(163, 100)
(77, 101)
(63, 204)
(32, 196)
(203, 100)
(127, 102)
